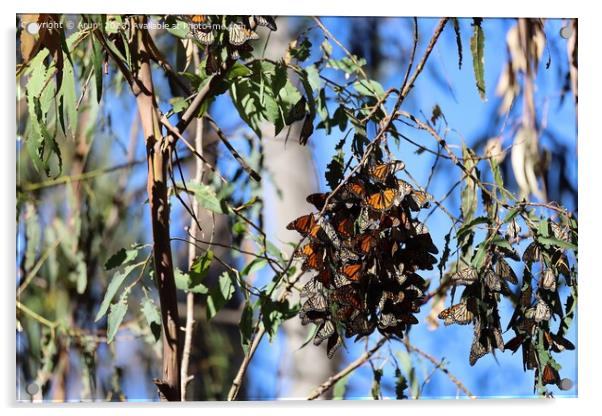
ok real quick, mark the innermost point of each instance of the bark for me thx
(291, 170)
(157, 159)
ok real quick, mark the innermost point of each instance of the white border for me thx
(589, 199)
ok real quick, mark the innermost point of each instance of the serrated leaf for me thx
(116, 315)
(551, 241)
(477, 48)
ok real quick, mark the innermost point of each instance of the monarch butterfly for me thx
(345, 312)
(339, 280)
(354, 189)
(311, 288)
(387, 320)
(198, 18)
(344, 227)
(314, 257)
(492, 281)
(550, 375)
(318, 199)
(239, 34)
(352, 271)
(308, 226)
(325, 331)
(503, 269)
(365, 221)
(457, 314)
(334, 343)
(359, 326)
(315, 303)
(420, 200)
(324, 277)
(532, 253)
(483, 344)
(382, 200)
(366, 243)
(381, 172)
(392, 297)
(266, 21)
(347, 295)
(548, 280)
(466, 276)
(561, 233)
(515, 342)
(203, 37)
(541, 312)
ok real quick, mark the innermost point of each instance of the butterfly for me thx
(387, 320)
(382, 171)
(311, 288)
(307, 225)
(466, 276)
(324, 277)
(548, 280)
(314, 256)
(560, 232)
(204, 37)
(383, 200)
(333, 344)
(239, 34)
(359, 326)
(318, 200)
(266, 21)
(503, 269)
(492, 281)
(344, 227)
(541, 312)
(549, 375)
(353, 190)
(326, 330)
(484, 342)
(347, 295)
(532, 253)
(457, 314)
(366, 221)
(352, 271)
(420, 200)
(366, 242)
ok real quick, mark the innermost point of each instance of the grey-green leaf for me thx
(116, 315)
(477, 48)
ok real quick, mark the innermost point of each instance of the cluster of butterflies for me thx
(364, 249)
(226, 37)
(479, 306)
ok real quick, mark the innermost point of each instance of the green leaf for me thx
(338, 391)
(178, 104)
(97, 57)
(116, 282)
(369, 88)
(152, 315)
(199, 268)
(254, 266)
(458, 40)
(220, 294)
(274, 313)
(123, 256)
(401, 384)
(184, 283)
(237, 70)
(469, 225)
(177, 27)
(477, 46)
(469, 191)
(551, 241)
(205, 195)
(347, 65)
(33, 235)
(246, 326)
(116, 315)
(479, 257)
(302, 51)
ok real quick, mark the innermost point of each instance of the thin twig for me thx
(328, 384)
(438, 363)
